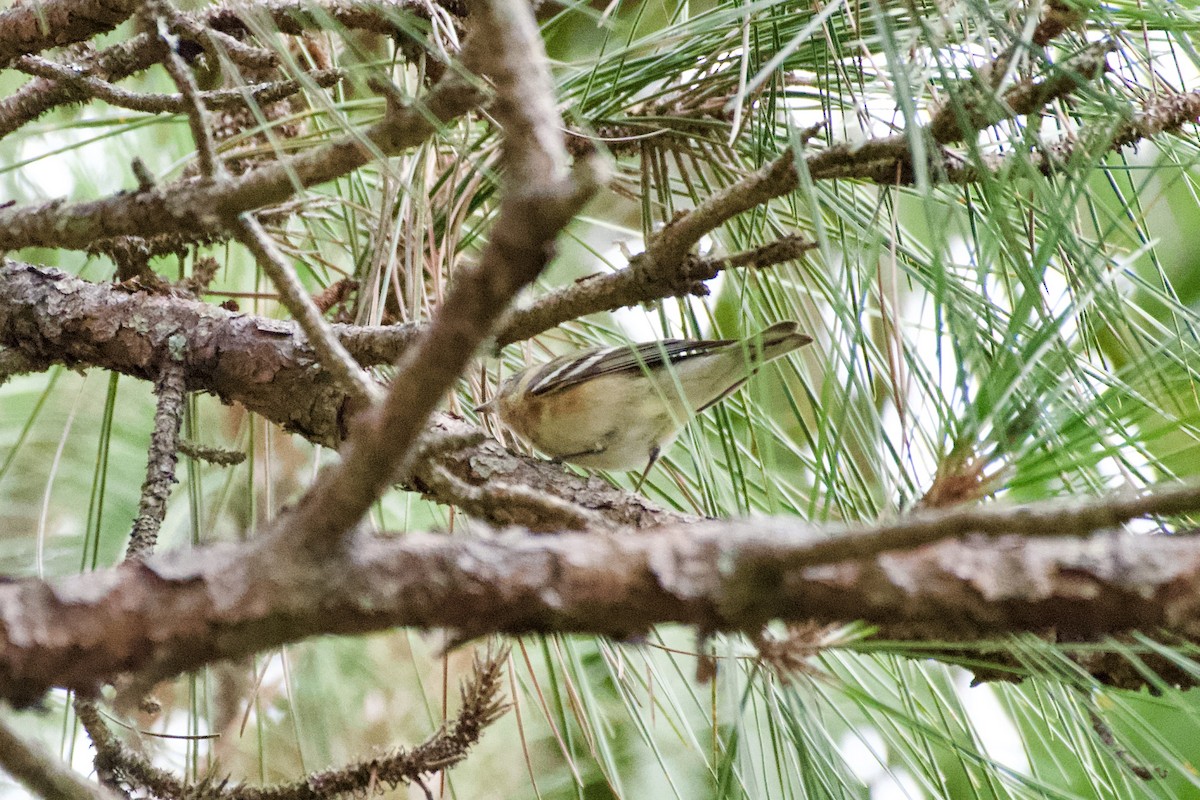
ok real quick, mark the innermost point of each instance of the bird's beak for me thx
(486, 408)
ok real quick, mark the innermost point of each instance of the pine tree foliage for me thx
(994, 199)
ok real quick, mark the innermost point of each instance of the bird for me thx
(619, 408)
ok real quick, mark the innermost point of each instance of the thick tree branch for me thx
(13, 363)
(541, 196)
(1069, 517)
(433, 476)
(489, 466)
(48, 317)
(177, 611)
(352, 378)
(33, 27)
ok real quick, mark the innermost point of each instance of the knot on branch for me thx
(690, 280)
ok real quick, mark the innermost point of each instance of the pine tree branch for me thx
(260, 93)
(48, 317)
(198, 207)
(360, 388)
(138, 53)
(177, 611)
(481, 706)
(162, 457)
(540, 197)
(42, 773)
(33, 27)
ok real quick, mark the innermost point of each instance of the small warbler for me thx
(620, 407)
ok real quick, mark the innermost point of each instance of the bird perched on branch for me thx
(620, 407)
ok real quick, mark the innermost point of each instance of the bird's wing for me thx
(568, 371)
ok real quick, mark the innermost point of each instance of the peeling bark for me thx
(178, 611)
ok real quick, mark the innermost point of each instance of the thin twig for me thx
(212, 455)
(42, 773)
(639, 284)
(116, 765)
(162, 457)
(161, 460)
(219, 43)
(675, 241)
(482, 705)
(333, 355)
(977, 107)
(1059, 517)
(780, 251)
(162, 17)
(200, 208)
(152, 103)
